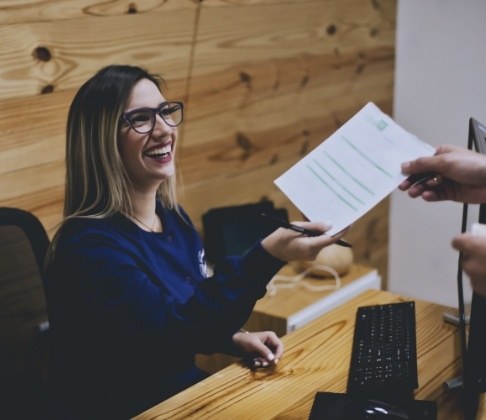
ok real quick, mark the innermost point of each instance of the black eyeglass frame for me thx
(155, 111)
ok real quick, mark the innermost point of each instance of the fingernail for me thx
(256, 363)
(270, 356)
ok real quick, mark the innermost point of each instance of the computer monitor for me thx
(474, 346)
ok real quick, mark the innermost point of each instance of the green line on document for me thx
(349, 174)
(367, 158)
(332, 189)
(338, 182)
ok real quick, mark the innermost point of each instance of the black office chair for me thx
(23, 315)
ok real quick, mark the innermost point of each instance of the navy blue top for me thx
(129, 309)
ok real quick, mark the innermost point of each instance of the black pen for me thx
(308, 232)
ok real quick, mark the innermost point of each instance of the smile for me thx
(159, 152)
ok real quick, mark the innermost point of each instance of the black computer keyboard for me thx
(384, 353)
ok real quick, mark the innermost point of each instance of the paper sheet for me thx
(353, 170)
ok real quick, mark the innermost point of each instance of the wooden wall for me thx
(264, 82)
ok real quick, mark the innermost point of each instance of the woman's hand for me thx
(288, 245)
(264, 347)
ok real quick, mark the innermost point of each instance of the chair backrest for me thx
(23, 313)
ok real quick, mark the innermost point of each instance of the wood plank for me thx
(16, 11)
(268, 132)
(231, 76)
(42, 57)
(257, 31)
(32, 131)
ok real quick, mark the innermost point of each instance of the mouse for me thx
(362, 408)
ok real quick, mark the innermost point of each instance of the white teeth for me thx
(159, 151)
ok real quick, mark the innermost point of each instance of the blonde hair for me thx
(97, 183)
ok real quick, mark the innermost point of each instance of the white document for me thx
(352, 170)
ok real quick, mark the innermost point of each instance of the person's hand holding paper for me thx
(353, 170)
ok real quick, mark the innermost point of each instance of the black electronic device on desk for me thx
(334, 406)
(384, 354)
(383, 370)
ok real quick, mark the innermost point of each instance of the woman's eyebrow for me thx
(146, 107)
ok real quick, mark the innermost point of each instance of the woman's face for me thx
(149, 157)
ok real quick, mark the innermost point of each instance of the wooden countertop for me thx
(317, 358)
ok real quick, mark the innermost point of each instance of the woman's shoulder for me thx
(88, 238)
(78, 228)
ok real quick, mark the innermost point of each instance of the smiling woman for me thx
(147, 140)
(130, 297)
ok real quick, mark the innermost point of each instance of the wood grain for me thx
(43, 57)
(264, 82)
(15, 11)
(317, 358)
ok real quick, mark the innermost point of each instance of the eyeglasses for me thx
(142, 120)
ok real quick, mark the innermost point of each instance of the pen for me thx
(421, 178)
(308, 232)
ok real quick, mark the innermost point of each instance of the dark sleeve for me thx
(111, 283)
(230, 296)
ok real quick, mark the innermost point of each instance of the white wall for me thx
(440, 82)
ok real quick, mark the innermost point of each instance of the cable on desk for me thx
(289, 282)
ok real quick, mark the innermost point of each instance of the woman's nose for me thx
(160, 125)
